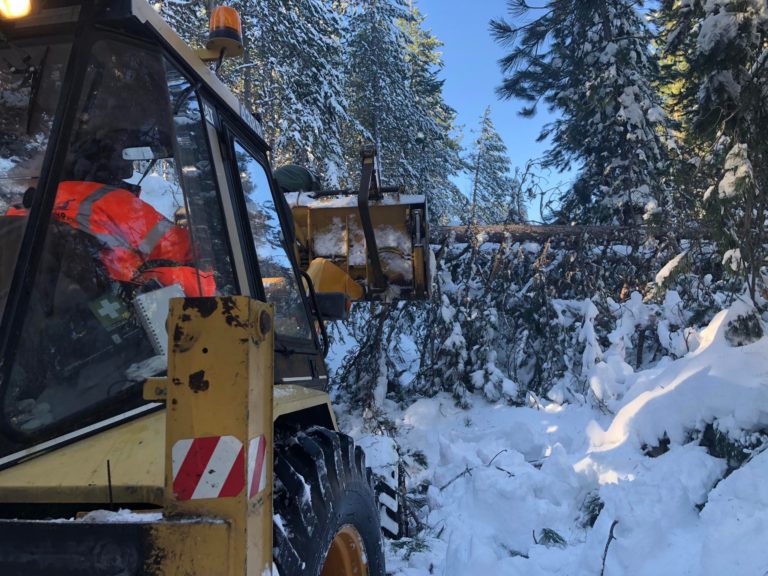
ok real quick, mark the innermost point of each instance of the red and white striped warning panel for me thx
(257, 465)
(211, 467)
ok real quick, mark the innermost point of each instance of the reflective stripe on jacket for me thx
(16, 211)
(133, 233)
(132, 230)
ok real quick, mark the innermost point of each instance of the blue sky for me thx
(472, 74)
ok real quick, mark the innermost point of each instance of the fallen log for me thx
(542, 233)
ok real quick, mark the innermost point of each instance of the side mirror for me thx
(332, 305)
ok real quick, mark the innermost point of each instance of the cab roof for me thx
(134, 17)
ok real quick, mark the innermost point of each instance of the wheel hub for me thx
(346, 556)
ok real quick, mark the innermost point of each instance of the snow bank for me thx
(716, 382)
(538, 490)
(735, 520)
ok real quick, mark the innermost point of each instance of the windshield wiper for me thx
(183, 96)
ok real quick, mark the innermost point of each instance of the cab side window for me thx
(31, 78)
(277, 273)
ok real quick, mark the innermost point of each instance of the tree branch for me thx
(607, 544)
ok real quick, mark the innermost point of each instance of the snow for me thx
(717, 29)
(738, 171)
(734, 514)
(615, 482)
(6, 165)
(537, 490)
(305, 199)
(380, 452)
(121, 516)
(669, 268)
(338, 239)
(163, 195)
(732, 259)
(332, 241)
(125, 516)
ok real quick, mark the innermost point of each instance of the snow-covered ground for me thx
(573, 490)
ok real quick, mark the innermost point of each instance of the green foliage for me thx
(715, 80)
(326, 77)
(438, 157)
(735, 451)
(551, 539)
(496, 197)
(513, 553)
(419, 458)
(656, 450)
(394, 93)
(590, 510)
(516, 317)
(744, 329)
(590, 62)
(408, 546)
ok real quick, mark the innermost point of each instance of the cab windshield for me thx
(136, 220)
(31, 77)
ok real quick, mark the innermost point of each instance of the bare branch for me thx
(607, 544)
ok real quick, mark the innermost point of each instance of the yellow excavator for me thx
(163, 405)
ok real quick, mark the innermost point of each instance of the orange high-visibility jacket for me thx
(140, 243)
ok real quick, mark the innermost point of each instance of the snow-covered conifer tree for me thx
(376, 76)
(396, 96)
(495, 195)
(436, 156)
(188, 19)
(299, 87)
(290, 75)
(381, 76)
(590, 61)
(723, 101)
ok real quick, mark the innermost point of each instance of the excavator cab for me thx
(131, 181)
(124, 181)
(98, 156)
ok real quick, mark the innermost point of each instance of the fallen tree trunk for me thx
(528, 232)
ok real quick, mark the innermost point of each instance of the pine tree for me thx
(676, 45)
(444, 348)
(496, 196)
(462, 333)
(437, 156)
(396, 97)
(290, 75)
(723, 47)
(298, 86)
(376, 81)
(590, 61)
(188, 19)
(673, 44)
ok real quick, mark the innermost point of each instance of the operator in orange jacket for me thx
(140, 244)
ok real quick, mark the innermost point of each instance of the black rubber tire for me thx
(321, 484)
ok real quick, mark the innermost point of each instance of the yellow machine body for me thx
(136, 453)
(219, 384)
(329, 228)
(179, 481)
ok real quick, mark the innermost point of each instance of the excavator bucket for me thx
(370, 244)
